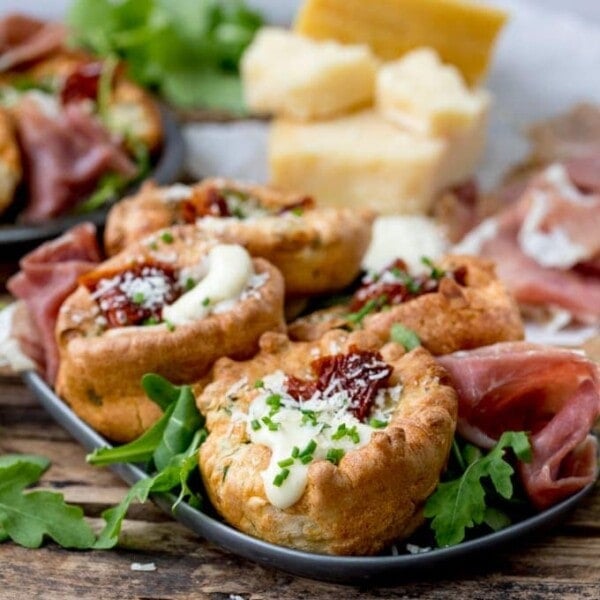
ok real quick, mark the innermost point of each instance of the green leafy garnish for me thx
(187, 50)
(404, 336)
(334, 455)
(436, 272)
(356, 318)
(462, 503)
(28, 517)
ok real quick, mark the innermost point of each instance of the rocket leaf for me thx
(28, 517)
(461, 503)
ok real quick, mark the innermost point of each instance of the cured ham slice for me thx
(66, 154)
(24, 39)
(48, 275)
(553, 394)
(546, 246)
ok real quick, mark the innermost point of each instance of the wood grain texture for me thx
(561, 564)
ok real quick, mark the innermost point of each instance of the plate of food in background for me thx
(75, 133)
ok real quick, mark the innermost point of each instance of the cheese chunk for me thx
(364, 160)
(462, 32)
(357, 160)
(422, 94)
(289, 75)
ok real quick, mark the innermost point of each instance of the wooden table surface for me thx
(563, 563)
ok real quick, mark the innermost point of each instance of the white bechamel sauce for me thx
(11, 355)
(474, 241)
(176, 193)
(295, 431)
(229, 271)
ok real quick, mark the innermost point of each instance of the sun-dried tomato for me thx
(360, 374)
(396, 285)
(211, 203)
(82, 83)
(133, 296)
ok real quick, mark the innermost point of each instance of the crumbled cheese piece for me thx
(414, 549)
(143, 566)
(176, 192)
(474, 241)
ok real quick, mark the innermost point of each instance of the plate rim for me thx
(166, 170)
(348, 570)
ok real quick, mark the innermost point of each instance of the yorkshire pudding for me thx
(331, 472)
(136, 314)
(460, 305)
(317, 250)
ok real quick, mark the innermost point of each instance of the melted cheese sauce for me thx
(299, 433)
(229, 272)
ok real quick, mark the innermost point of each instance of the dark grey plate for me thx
(339, 569)
(15, 237)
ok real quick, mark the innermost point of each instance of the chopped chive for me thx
(255, 424)
(306, 459)
(286, 462)
(281, 477)
(310, 448)
(436, 272)
(334, 455)
(295, 452)
(272, 426)
(190, 284)
(372, 305)
(404, 336)
(377, 424)
(353, 434)
(153, 246)
(206, 302)
(298, 211)
(340, 432)
(151, 321)
(259, 383)
(309, 415)
(138, 298)
(170, 326)
(166, 237)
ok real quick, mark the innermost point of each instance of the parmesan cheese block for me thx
(462, 32)
(421, 93)
(364, 160)
(289, 75)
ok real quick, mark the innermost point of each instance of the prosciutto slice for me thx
(48, 275)
(553, 394)
(24, 39)
(66, 154)
(546, 245)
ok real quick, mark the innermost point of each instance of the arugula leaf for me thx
(27, 518)
(160, 390)
(188, 50)
(461, 503)
(175, 474)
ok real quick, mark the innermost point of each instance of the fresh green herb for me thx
(188, 50)
(255, 424)
(404, 336)
(138, 298)
(334, 455)
(286, 462)
(151, 321)
(153, 245)
(271, 425)
(258, 384)
(356, 318)
(309, 416)
(170, 326)
(310, 448)
(167, 237)
(353, 434)
(461, 503)
(105, 86)
(295, 452)
(412, 285)
(206, 302)
(108, 188)
(298, 211)
(377, 424)
(190, 284)
(340, 432)
(281, 477)
(274, 401)
(28, 517)
(305, 459)
(436, 272)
